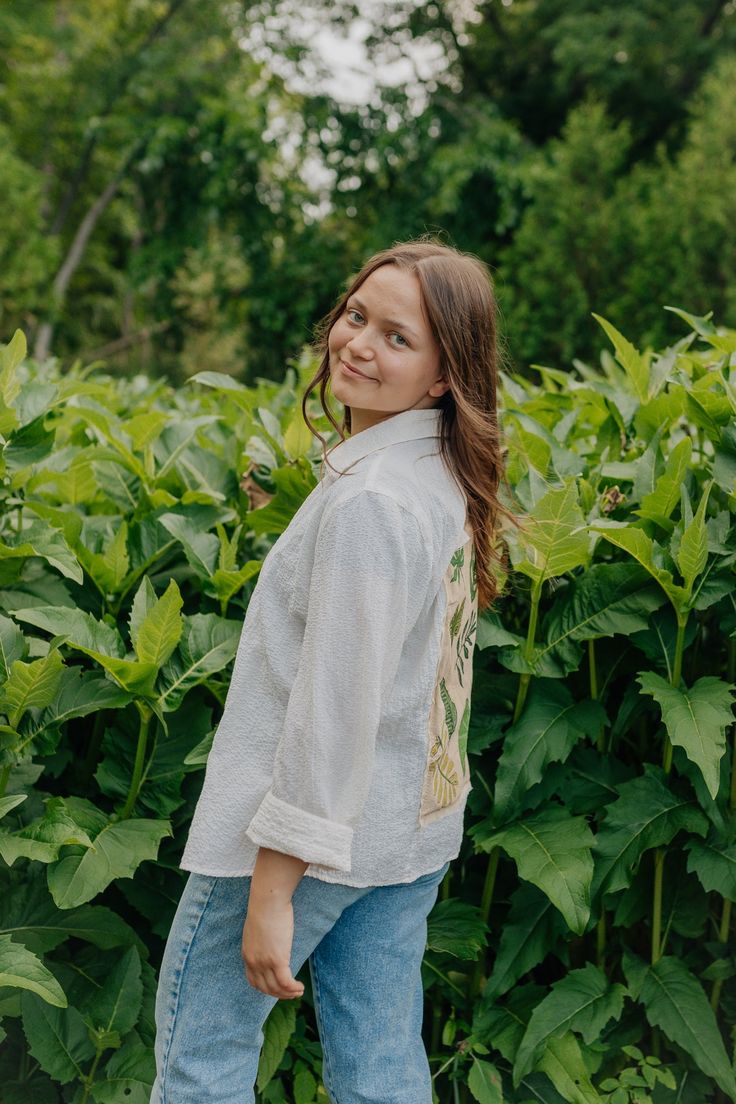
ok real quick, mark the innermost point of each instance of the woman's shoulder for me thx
(385, 493)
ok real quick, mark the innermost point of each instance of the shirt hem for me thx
(322, 876)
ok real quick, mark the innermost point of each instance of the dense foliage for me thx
(579, 950)
(183, 191)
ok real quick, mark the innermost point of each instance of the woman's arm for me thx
(268, 931)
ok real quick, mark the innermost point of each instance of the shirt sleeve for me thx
(367, 585)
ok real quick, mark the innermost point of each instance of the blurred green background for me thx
(188, 185)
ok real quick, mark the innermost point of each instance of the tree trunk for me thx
(71, 262)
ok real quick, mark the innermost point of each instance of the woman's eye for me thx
(400, 337)
(351, 310)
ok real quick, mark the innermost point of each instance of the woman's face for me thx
(384, 334)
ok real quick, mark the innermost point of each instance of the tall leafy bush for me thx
(580, 949)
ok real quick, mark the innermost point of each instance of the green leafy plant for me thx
(580, 949)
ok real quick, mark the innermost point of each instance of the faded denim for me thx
(365, 948)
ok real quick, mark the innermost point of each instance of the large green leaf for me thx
(29, 914)
(116, 1006)
(553, 851)
(696, 719)
(674, 1000)
(12, 645)
(143, 602)
(7, 804)
(457, 928)
(606, 599)
(692, 554)
(658, 505)
(111, 429)
(554, 538)
(158, 633)
(207, 646)
(30, 685)
(80, 693)
(648, 813)
(277, 1031)
(503, 1025)
(583, 1001)
(641, 546)
(117, 851)
(562, 1060)
(200, 548)
(532, 929)
(227, 583)
(548, 729)
(96, 639)
(636, 365)
(57, 1038)
(108, 568)
(22, 969)
(39, 539)
(293, 483)
(43, 838)
(715, 865)
(136, 678)
(484, 1082)
(129, 1076)
(81, 629)
(12, 354)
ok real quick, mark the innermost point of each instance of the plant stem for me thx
(4, 776)
(723, 934)
(725, 927)
(140, 756)
(438, 1008)
(675, 681)
(89, 1079)
(682, 618)
(600, 933)
(601, 745)
(657, 906)
(93, 748)
(444, 977)
(525, 678)
(485, 911)
(592, 669)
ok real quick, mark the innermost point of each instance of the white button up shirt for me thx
(343, 739)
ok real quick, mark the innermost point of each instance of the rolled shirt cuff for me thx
(293, 831)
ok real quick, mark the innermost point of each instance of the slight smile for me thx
(354, 371)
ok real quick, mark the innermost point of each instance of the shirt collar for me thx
(408, 425)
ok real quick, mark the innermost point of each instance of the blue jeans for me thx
(365, 949)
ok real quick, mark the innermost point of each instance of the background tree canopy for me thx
(187, 187)
(182, 193)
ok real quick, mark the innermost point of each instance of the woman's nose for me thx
(361, 344)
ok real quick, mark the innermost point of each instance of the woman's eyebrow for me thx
(389, 321)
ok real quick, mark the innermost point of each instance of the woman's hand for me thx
(268, 934)
(268, 931)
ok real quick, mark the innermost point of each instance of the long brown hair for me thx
(457, 294)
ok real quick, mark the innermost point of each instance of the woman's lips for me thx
(353, 371)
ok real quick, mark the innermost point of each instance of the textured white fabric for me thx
(341, 740)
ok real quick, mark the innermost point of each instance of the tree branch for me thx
(69, 265)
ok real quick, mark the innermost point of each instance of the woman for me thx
(335, 790)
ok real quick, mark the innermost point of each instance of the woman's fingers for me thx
(277, 982)
(287, 982)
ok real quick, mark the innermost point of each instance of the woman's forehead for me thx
(397, 294)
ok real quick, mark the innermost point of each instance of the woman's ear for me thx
(439, 388)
